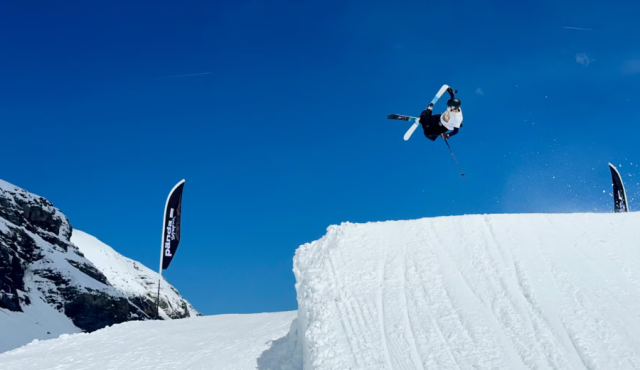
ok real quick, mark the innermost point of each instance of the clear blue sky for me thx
(288, 133)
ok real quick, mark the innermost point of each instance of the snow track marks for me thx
(473, 292)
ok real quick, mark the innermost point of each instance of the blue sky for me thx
(286, 133)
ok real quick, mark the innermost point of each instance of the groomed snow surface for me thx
(473, 292)
(470, 292)
(233, 342)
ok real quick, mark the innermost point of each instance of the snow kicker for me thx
(531, 291)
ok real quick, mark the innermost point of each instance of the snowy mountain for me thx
(136, 281)
(49, 287)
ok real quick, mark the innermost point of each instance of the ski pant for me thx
(431, 125)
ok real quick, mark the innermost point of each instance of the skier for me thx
(438, 125)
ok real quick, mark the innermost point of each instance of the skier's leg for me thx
(425, 116)
(430, 133)
(426, 121)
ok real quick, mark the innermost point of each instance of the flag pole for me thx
(164, 216)
(160, 271)
(158, 298)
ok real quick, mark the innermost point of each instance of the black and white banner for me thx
(171, 229)
(619, 196)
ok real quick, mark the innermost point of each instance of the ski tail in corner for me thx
(413, 127)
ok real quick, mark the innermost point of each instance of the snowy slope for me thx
(483, 292)
(38, 321)
(225, 342)
(130, 277)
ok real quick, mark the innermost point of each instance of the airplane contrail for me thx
(578, 28)
(189, 75)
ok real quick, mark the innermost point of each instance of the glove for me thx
(445, 136)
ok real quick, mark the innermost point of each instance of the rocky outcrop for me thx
(39, 261)
(95, 310)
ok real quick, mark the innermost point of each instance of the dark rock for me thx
(146, 305)
(11, 276)
(90, 270)
(93, 311)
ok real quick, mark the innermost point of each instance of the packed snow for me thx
(556, 291)
(265, 341)
(535, 291)
(128, 276)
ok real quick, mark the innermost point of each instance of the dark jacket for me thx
(432, 127)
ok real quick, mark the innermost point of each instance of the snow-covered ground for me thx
(130, 277)
(473, 292)
(224, 342)
(557, 291)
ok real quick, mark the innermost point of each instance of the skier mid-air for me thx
(439, 124)
(435, 125)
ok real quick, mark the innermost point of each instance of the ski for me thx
(401, 117)
(416, 120)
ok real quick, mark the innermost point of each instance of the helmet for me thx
(454, 103)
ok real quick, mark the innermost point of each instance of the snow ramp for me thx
(534, 291)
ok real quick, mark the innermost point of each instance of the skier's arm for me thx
(450, 91)
(454, 132)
